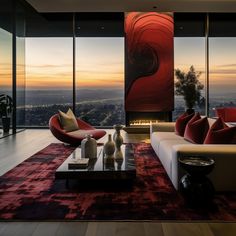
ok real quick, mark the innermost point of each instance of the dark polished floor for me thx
(15, 149)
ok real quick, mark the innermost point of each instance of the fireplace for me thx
(139, 122)
(143, 122)
(145, 118)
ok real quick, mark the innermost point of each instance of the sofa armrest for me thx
(209, 150)
(162, 127)
(224, 172)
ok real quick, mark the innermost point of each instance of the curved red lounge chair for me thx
(73, 138)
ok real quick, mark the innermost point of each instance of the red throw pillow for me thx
(196, 129)
(220, 133)
(181, 123)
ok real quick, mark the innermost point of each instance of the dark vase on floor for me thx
(6, 121)
(197, 189)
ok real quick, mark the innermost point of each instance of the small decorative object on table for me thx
(119, 154)
(195, 186)
(78, 163)
(109, 147)
(89, 147)
(109, 163)
(117, 136)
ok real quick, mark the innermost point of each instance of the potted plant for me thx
(189, 86)
(6, 106)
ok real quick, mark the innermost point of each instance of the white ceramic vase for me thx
(118, 154)
(88, 147)
(109, 147)
(117, 136)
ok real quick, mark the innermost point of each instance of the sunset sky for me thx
(100, 61)
(222, 55)
(5, 59)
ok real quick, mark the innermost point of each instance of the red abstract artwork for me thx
(149, 82)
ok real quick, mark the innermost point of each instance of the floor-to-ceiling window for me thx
(6, 37)
(5, 62)
(189, 51)
(20, 66)
(222, 86)
(49, 74)
(222, 61)
(20, 83)
(98, 65)
(5, 66)
(100, 80)
(99, 69)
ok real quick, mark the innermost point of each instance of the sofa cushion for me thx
(157, 137)
(196, 129)
(181, 123)
(166, 152)
(220, 133)
(160, 136)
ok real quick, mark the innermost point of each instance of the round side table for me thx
(195, 186)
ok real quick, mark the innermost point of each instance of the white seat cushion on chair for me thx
(80, 133)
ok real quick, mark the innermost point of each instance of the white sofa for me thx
(169, 147)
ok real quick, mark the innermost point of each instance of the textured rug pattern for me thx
(30, 192)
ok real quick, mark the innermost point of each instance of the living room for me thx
(117, 119)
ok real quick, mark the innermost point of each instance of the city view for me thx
(100, 79)
(106, 108)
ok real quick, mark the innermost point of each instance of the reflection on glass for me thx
(20, 81)
(5, 64)
(20, 67)
(189, 51)
(222, 58)
(100, 80)
(49, 66)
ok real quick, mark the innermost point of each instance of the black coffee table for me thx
(99, 169)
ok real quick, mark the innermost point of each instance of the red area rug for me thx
(30, 192)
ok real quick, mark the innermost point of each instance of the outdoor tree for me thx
(189, 86)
